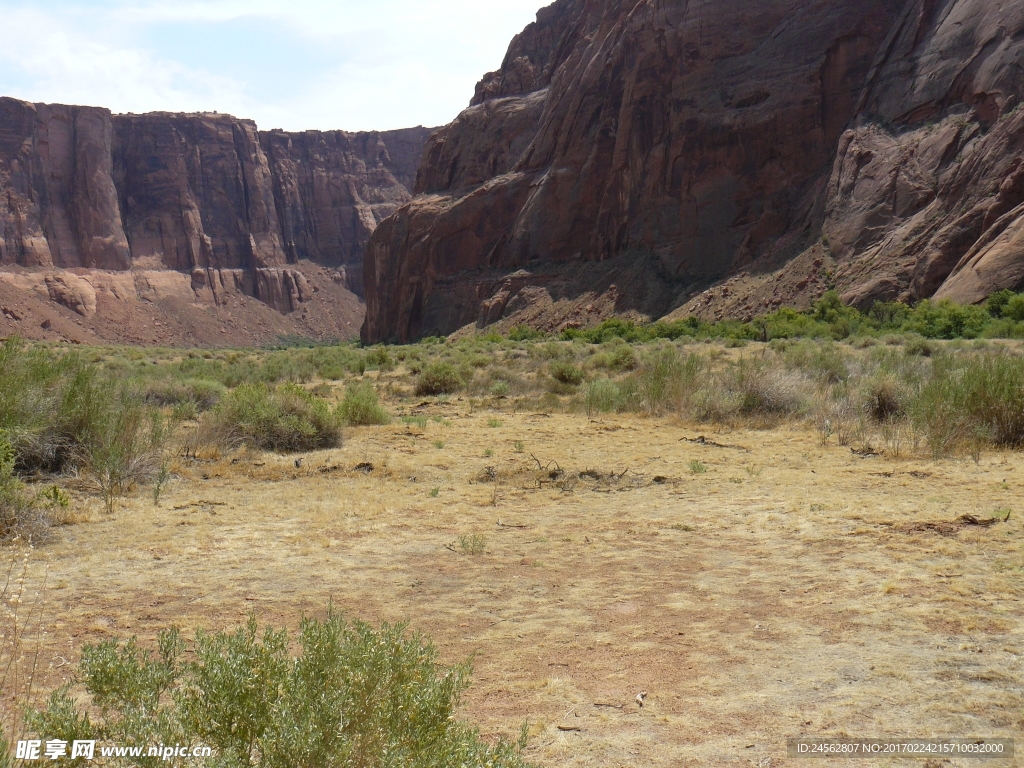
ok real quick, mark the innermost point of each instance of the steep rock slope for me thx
(199, 209)
(645, 157)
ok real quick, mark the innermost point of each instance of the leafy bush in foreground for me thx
(284, 419)
(353, 696)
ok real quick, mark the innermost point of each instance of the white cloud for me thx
(355, 64)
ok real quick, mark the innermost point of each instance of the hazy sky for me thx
(293, 64)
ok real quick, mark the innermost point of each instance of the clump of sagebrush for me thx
(361, 406)
(439, 378)
(285, 419)
(353, 695)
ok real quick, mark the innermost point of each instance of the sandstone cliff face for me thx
(59, 202)
(694, 143)
(333, 189)
(208, 196)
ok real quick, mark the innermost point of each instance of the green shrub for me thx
(351, 696)
(379, 357)
(361, 406)
(980, 398)
(122, 443)
(566, 373)
(524, 333)
(439, 378)
(1014, 309)
(602, 396)
(283, 419)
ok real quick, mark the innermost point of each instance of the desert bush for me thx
(918, 345)
(566, 373)
(122, 442)
(885, 399)
(380, 358)
(666, 379)
(602, 396)
(353, 695)
(22, 515)
(41, 395)
(204, 393)
(972, 399)
(283, 419)
(439, 378)
(59, 414)
(764, 391)
(361, 406)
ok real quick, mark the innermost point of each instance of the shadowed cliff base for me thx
(870, 147)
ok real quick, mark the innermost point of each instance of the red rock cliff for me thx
(639, 152)
(206, 196)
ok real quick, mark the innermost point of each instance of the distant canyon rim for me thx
(634, 158)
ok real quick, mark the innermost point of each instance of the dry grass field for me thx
(756, 584)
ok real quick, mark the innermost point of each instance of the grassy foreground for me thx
(137, 430)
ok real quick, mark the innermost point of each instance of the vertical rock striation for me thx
(205, 195)
(662, 148)
(58, 203)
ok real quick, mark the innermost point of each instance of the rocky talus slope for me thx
(169, 228)
(649, 158)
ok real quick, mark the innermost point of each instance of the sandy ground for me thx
(791, 589)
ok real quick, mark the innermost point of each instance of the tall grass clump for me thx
(361, 406)
(121, 442)
(352, 695)
(972, 400)
(60, 414)
(284, 419)
(41, 397)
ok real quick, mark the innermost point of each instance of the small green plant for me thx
(361, 406)
(501, 388)
(697, 468)
(439, 444)
(163, 475)
(489, 453)
(473, 544)
(519, 446)
(435, 492)
(494, 423)
(418, 421)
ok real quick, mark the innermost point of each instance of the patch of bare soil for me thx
(755, 585)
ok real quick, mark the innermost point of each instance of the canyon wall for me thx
(649, 158)
(201, 204)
